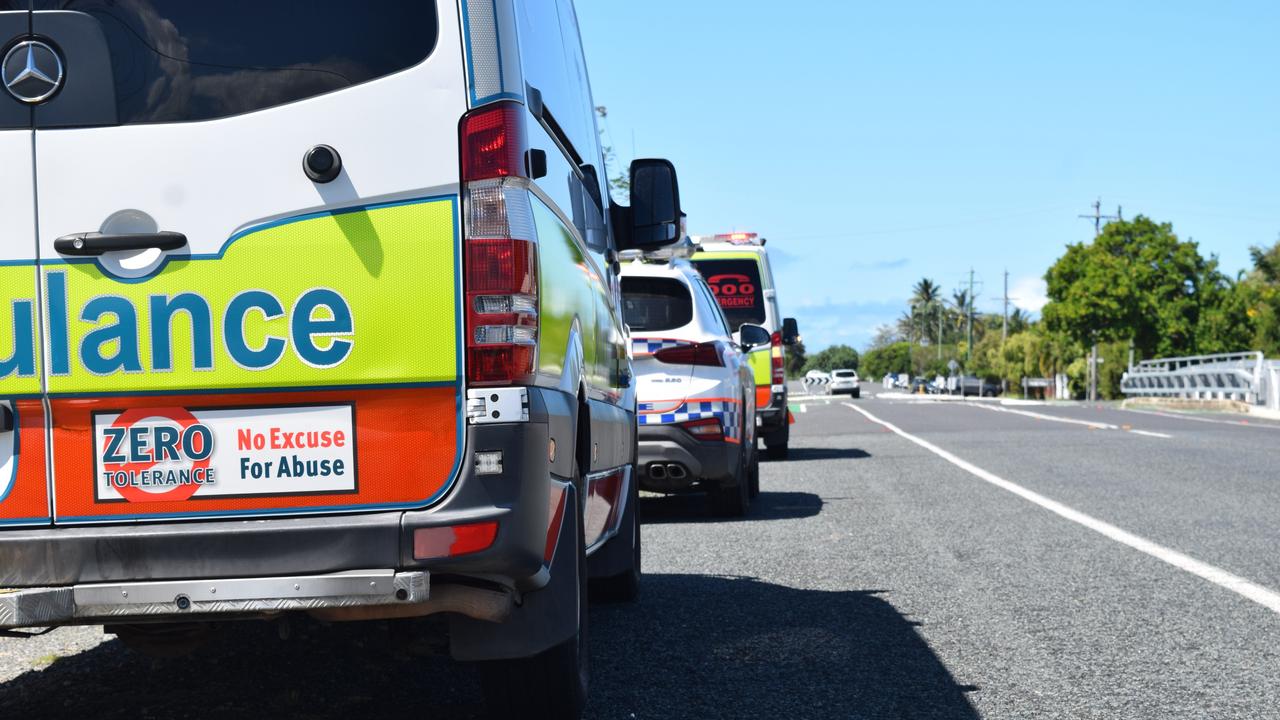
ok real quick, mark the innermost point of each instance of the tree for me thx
(894, 358)
(885, 336)
(796, 359)
(1018, 321)
(925, 292)
(836, 357)
(1136, 281)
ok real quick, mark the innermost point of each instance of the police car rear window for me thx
(183, 60)
(736, 285)
(655, 303)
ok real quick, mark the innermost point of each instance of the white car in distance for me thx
(845, 382)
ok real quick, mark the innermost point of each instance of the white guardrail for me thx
(1246, 377)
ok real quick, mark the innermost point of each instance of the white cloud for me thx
(1029, 293)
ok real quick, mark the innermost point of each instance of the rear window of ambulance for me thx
(185, 60)
(736, 285)
(655, 303)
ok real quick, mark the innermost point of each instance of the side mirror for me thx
(752, 336)
(655, 204)
(790, 331)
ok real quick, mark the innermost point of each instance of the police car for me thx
(316, 310)
(695, 389)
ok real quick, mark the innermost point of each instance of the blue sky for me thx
(878, 143)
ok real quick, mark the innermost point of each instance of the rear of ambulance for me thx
(234, 357)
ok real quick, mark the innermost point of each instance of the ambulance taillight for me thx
(500, 248)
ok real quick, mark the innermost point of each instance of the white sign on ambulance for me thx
(175, 453)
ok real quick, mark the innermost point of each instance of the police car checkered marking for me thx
(728, 412)
(649, 346)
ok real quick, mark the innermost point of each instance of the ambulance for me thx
(736, 266)
(316, 312)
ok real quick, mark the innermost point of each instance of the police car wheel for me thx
(754, 474)
(733, 500)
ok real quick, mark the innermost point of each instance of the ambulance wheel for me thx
(775, 444)
(551, 684)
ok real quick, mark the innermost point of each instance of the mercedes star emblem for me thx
(32, 71)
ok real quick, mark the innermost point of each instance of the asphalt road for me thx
(874, 578)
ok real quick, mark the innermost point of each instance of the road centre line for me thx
(1149, 433)
(1242, 587)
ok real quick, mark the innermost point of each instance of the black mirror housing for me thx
(790, 331)
(655, 204)
(753, 336)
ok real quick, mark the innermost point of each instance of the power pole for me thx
(937, 305)
(968, 350)
(1097, 217)
(1004, 329)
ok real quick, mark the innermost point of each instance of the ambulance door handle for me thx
(93, 243)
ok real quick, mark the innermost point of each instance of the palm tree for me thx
(1018, 321)
(925, 292)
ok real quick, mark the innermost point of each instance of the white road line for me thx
(1086, 423)
(1043, 416)
(1176, 416)
(1245, 588)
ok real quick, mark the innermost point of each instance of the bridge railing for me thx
(1244, 376)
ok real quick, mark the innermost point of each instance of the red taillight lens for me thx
(502, 311)
(705, 429)
(494, 142)
(779, 366)
(501, 255)
(502, 267)
(439, 542)
(706, 354)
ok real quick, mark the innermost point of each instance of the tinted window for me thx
(845, 374)
(176, 60)
(736, 285)
(551, 55)
(655, 303)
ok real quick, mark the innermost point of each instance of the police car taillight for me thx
(775, 354)
(704, 429)
(501, 252)
(704, 354)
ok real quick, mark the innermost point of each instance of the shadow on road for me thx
(694, 646)
(714, 647)
(336, 672)
(824, 453)
(693, 508)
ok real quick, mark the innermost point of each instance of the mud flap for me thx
(618, 553)
(546, 618)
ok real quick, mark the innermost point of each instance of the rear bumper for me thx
(774, 415)
(703, 461)
(68, 564)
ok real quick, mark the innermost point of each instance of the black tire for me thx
(753, 487)
(552, 684)
(733, 500)
(857, 393)
(775, 443)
